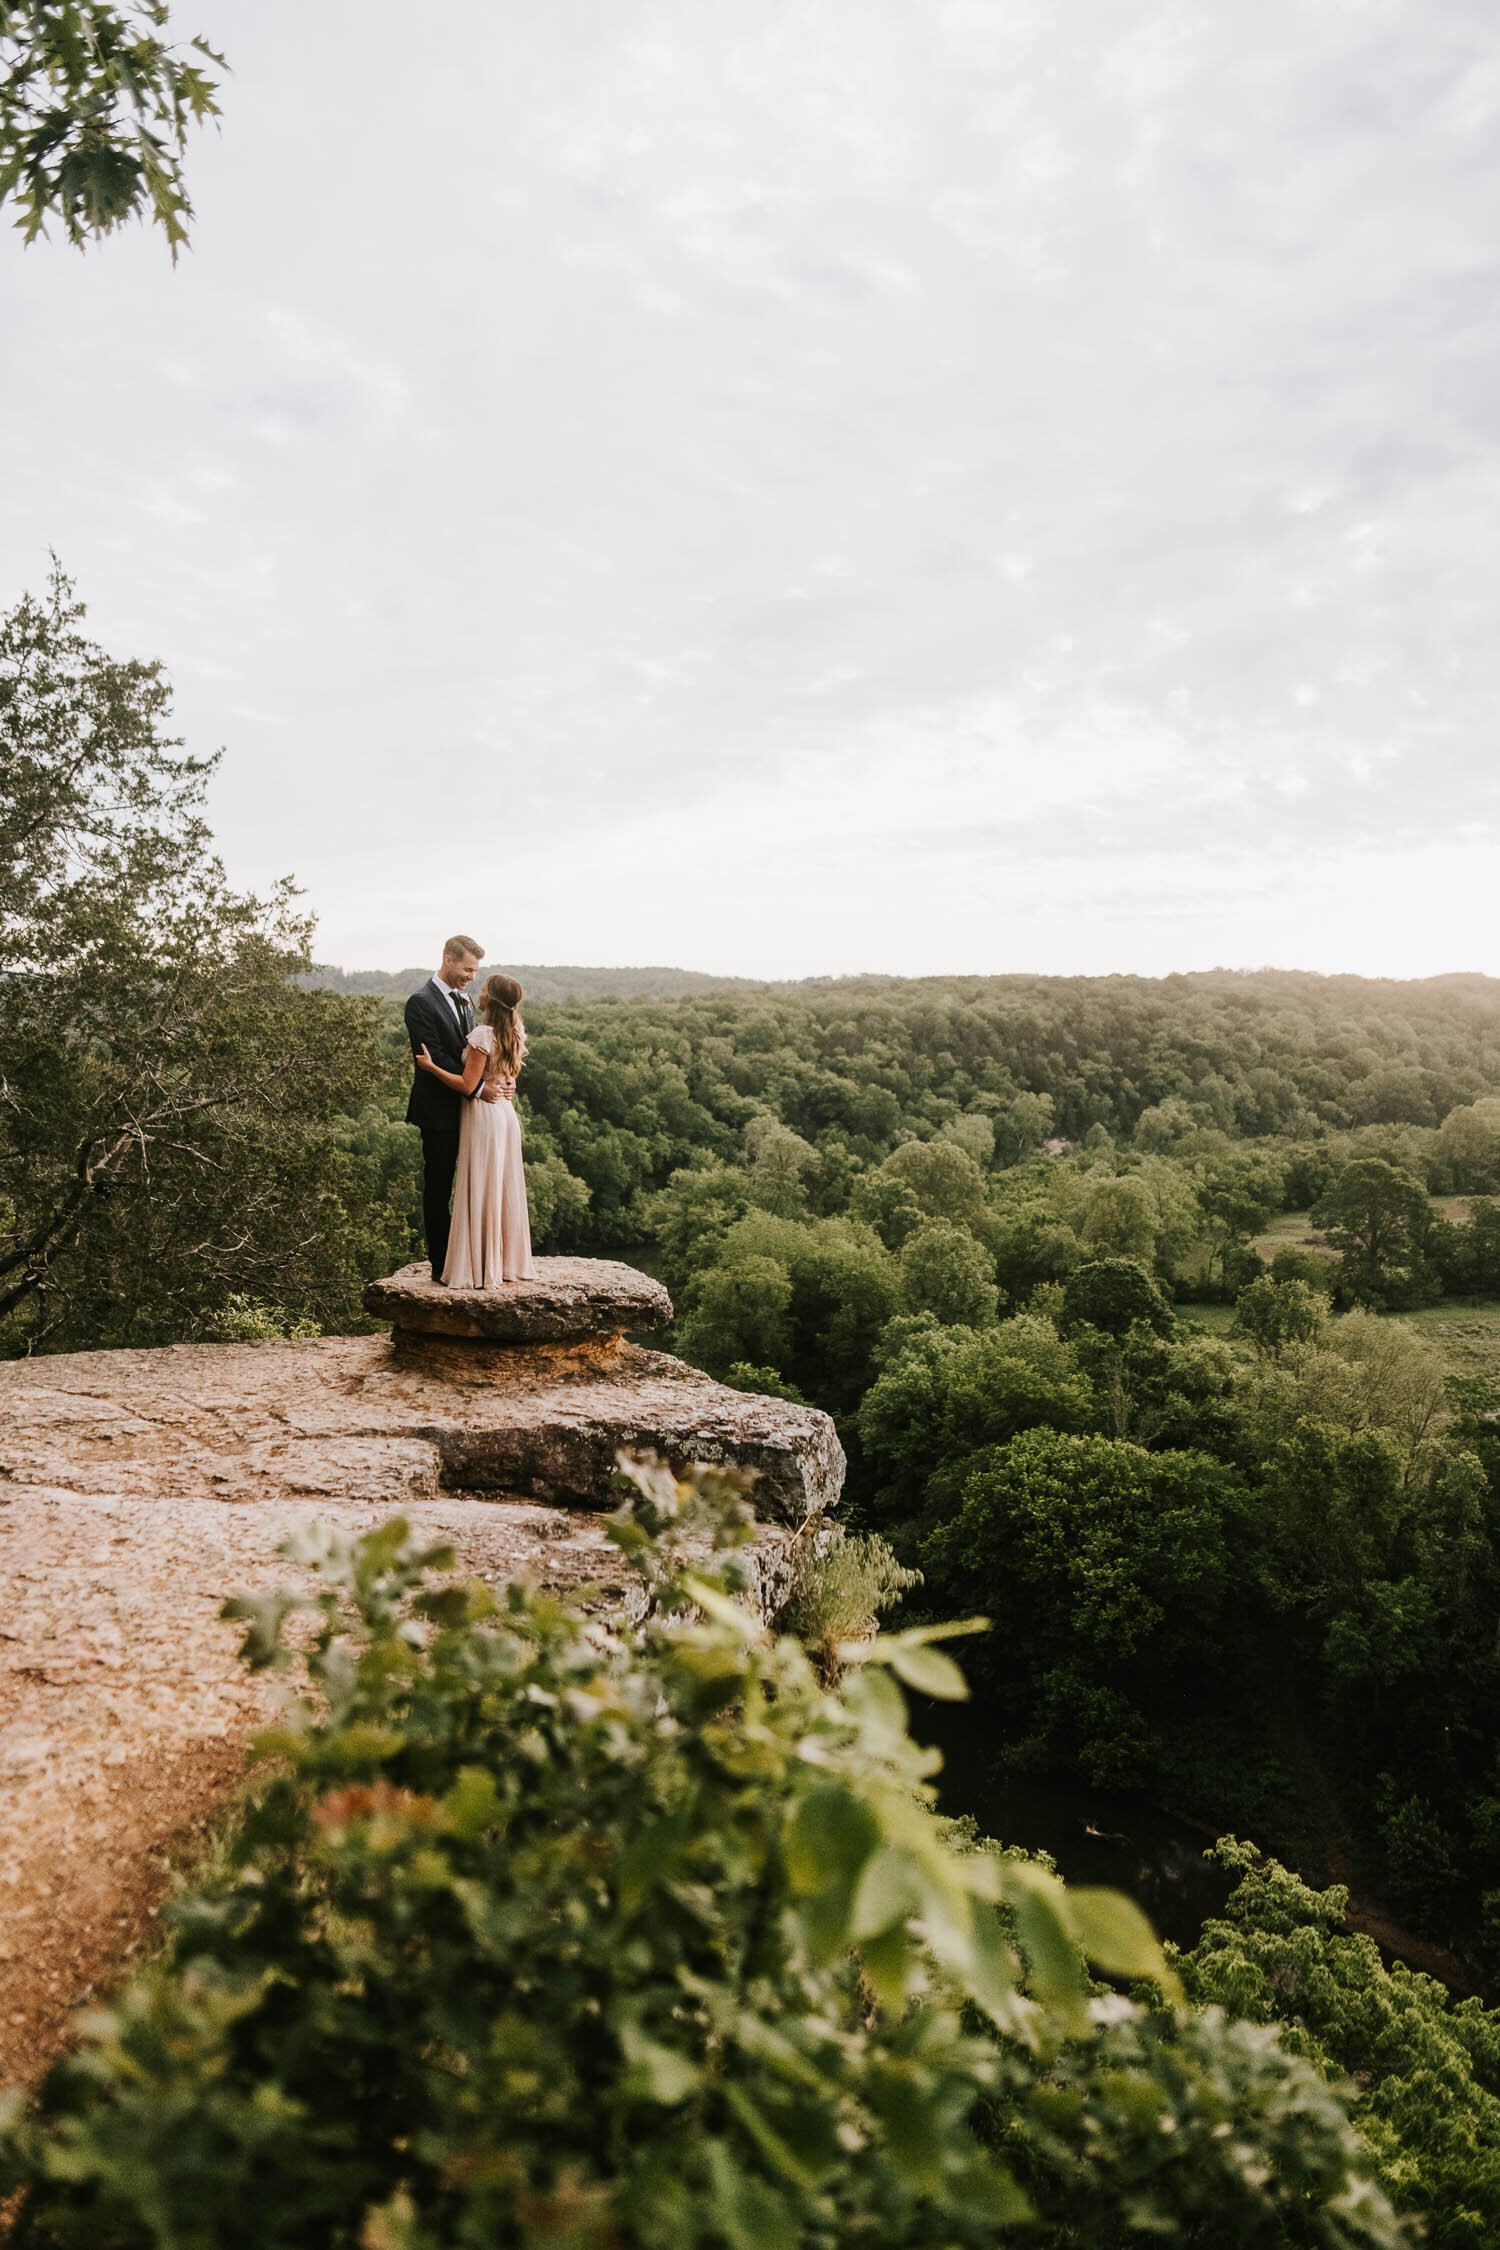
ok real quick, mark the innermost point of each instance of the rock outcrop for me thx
(137, 1488)
(570, 1301)
(396, 1418)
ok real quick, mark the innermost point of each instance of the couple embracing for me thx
(463, 1103)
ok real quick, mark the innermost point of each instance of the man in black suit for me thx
(439, 1018)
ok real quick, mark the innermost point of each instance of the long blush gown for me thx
(490, 1238)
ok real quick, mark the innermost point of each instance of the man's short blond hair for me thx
(456, 947)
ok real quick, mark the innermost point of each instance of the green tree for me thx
(1469, 1145)
(691, 1216)
(1378, 1218)
(1112, 1293)
(1106, 1573)
(1304, 1265)
(1033, 1248)
(974, 1133)
(558, 1202)
(834, 1288)
(780, 1163)
(943, 1394)
(741, 1311)
(1276, 1313)
(1119, 1219)
(1161, 1128)
(95, 110)
(1240, 1189)
(940, 1180)
(944, 1271)
(171, 1104)
(1484, 1228)
(1175, 1391)
(1395, 1094)
(1021, 1126)
(1362, 1373)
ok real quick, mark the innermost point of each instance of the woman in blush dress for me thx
(490, 1240)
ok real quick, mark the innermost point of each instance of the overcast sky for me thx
(911, 485)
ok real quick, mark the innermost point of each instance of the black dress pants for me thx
(439, 1162)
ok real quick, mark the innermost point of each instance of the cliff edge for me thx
(138, 1488)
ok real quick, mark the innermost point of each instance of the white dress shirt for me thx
(489, 1090)
(454, 999)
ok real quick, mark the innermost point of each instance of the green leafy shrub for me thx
(245, 1320)
(1111, 1293)
(842, 1594)
(547, 1934)
(764, 1382)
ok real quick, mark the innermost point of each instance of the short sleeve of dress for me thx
(483, 1038)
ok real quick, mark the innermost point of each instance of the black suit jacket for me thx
(432, 1023)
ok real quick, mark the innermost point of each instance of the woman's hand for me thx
(424, 1060)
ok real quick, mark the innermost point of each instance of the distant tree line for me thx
(542, 982)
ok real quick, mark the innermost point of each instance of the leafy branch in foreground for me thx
(544, 1932)
(95, 110)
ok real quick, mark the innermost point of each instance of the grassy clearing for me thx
(1293, 1230)
(1466, 1331)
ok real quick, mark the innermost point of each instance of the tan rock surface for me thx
(567, 1301)
(405, 1415)
(138, 1488)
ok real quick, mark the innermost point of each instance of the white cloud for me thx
(830, 486)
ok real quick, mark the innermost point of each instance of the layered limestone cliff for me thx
(138, 1488)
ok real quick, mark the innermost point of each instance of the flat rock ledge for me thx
(568, 1300)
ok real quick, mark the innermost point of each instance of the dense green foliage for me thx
(1264, 1587)
(537, 1936)
(1189, 1068)
(972, 1218)
(845, 1190)
(1109, 1572)
(174, 1141)
(1422, 2071)
(95, 110)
